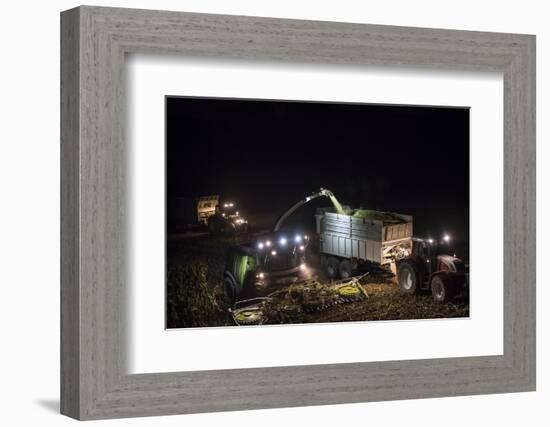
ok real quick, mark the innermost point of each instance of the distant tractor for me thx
(429, 268)
(226, 219)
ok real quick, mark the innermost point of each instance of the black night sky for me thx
(266, 155)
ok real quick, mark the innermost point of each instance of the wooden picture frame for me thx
(94, 41)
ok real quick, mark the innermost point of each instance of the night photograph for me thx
(293, 212)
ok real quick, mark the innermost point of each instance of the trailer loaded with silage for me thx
(359, 236)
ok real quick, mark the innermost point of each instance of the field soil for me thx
(384, 302)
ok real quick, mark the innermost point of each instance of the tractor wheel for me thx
(407, 278)
(443, 288)
(345, 269)
(332, 268)
(230, 290)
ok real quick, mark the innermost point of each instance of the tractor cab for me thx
(281, 253)
(431, 252)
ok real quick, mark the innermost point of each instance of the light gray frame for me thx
(94, 383)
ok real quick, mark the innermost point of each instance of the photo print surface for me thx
(296, 212)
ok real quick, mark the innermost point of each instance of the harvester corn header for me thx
(293, 303)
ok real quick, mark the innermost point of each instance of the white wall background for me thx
(29, 211)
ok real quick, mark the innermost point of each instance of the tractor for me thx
(429, 268)
(226, 220)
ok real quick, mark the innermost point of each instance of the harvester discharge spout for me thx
(323, 192)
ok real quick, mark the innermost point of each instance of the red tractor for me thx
(430, 268)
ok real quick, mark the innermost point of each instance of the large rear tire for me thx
(332, 267)
(443, 288)
(407, 278)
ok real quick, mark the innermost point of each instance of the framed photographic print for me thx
(268, 259)
(292, 212)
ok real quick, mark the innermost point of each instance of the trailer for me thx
(190, 213)
(358, 236)
(206, 207)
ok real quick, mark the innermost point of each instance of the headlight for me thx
(273, 253)
(260, 245)
(282, 241)
(268, 243)
(298, 238)
(302, 248)
(447, 238)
